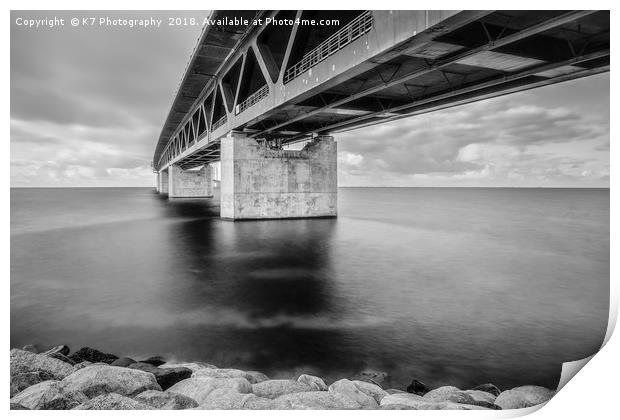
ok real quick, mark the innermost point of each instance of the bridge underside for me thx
(280, 85)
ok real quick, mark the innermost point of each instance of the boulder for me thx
(112, 402)
(418, 388)
(318, 400)
(352, 392)
(49, 395)
(490, 388)
(523, 396)
(32, 348)
(417, 402)
(441, 393)
(200, 388)
(98, 379)
(229, 399)
(62, 358)
(314, 381)
(92, 355)
(273, 388)
(15, 406)
(395, 407)
(164, 377)
(123, 362)
(193, 366)
(481, 396)
(24, 361)
(81, 365)
(455, 395)
(372, 390)
(404, 398)
(154, 360)
(166, 400)
(224, 373)
(22, 381)
(62, 349)
(258, 376)
(375, 377)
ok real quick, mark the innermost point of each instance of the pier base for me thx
(191, 183)
(162, 182)
(262, 183)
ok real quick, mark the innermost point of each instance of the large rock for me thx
(404, 398)
(22, 381)
(100, 379)
(166, 400)
(375, 377)
(481, 396)
(229, 399)
(224, 373)
(395, 407)
(490, 388)
(439, 394)
(82, 365)
(32, 348)
(417, 402)
(193, 366)
(273, 388)
(24, 361)
(318, 400)
(315, 382)
(257, 376)
(455, 395)
(123, 362)
(49, 395)
(372, 390)
(62, 358)
(92, 355)
(352, 392)
(154, 360)
(200, 388)
(164, 377)
(112, 402)
(418, 388)
(61, 349)
(523, 396)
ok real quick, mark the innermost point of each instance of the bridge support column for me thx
(192, 183)
(261, 183)
(162, 182)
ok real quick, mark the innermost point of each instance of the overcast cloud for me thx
(87, 106)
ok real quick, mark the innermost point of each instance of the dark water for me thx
(450, 286)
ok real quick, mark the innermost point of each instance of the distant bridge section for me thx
(253, 74)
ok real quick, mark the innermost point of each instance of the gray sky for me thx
(87, 106)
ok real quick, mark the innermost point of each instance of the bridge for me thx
(260, 81)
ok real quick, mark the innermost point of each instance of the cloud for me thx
(512, 140)
(87, 106)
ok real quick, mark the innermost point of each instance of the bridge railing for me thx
(349, 33)
(218, 123)
(253, 99)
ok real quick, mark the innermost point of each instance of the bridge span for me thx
(260, 80)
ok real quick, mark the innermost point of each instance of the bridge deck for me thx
(287, 83)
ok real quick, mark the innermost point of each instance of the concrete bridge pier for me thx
(190, 183)
(263, 183)
(162, 182)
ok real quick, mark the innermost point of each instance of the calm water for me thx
(450, 286)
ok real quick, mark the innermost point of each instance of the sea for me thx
(450, 286)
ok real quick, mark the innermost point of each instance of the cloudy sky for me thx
(87, 106)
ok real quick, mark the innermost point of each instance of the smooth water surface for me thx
(449, 286)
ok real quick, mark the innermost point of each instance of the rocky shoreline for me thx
(89, 379)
